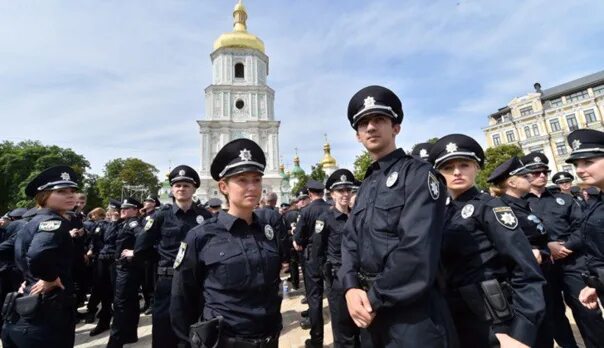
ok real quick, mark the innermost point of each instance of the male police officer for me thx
(562, 219)
(391, 245)
(168, 227)
(306, 232)
(564, 180)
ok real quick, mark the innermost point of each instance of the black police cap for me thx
(511, 167)
(303, 193)
(131, 202)
(154, 199)
(562, 177)
(238, 156)
(535, 161)
(114, 204)
(53, 178)
(341, 178)
(315, 186)
(422, 150)
(374, 100)
(455, 146)
(285, 205)
(184, 173)
(214, 203)
(586, 143)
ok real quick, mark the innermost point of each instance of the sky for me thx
(113, 78)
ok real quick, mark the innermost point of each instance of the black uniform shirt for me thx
(305, 231)
(291, 218)
(593, 234)
(126, 236)
(395, 231)
(109, 231)
(166, 229)
(561, 216)
(96, 232)
(272, 217)
(483, 241)
(334, 221)
(531, 224)
(229, 268)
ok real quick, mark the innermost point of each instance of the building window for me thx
(561, 148)
(510, 136)
(239, 71)
(526, 111)
(527, 131)
(578, 96)
(239, 104)
(590, 116)
(567, 168)
(598, 90)
(535, 130)
(496, 140)
(571, 120)
(555, 102)
(555, 124)
(535, 149)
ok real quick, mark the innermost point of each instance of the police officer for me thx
(150, 205)
(227, 269)
(421, 151)
(307, 232)
(391, 243)
(339, 184)
(214, 205)
(125, 303)
(564, 180)
(104, 276)
(167, 229)
(44, 315)
(562, 219)
(290, 218)
(588, 158)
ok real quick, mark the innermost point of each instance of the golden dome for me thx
(239, 37)
(328, 161)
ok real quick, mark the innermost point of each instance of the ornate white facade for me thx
(239, 104)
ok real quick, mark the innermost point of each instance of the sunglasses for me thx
(541, 172)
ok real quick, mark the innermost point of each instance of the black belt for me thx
(106, 257)
(241, 342)
(165, 271)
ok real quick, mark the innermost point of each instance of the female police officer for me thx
(44, 314)
(588, 158)
(484, 254)
(227, 269)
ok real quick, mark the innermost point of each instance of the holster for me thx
(594, 281)
(487, 301)
(8, 307)
(27, 306)
(206, 334)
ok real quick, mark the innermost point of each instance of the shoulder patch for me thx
(319, 224)
(433, 186)
(268, 232)
(506, 217)
(560, 201)
(133, 224)
(149, 223)
(199, 219)
(48, 226)
(97, 230)
(181, 254)
(467, 211)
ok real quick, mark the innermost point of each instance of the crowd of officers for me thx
(414, 256)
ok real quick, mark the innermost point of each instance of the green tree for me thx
(302, 181)
(130, 171)
(317, 173)
(90, 187)
(361, 163)
(495, 156)
(21, 162)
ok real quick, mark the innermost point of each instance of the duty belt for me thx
(165, 271)
(241, 342)
(366, 280)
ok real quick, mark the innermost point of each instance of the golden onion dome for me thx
(239, 37)
(328, 161)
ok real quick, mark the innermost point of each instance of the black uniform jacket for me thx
(593, 234)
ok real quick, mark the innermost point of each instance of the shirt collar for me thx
(338, 214)
(468, 195)
(385, 162)
(229, 220)
(516, 201)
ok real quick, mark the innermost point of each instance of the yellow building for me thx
(541, 120)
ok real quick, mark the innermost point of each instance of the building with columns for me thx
(541, 120)
(239, 104)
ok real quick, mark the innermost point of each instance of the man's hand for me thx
(4, 222)
(42, 286)
(558, 250)
(298, 247)
(127, 253)
(284, 267)
(589, 297)
(508, 342)
(359, 308)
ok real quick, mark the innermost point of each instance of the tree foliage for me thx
(21, 162)
(302, 181)
(495, 156)
(317, 173)
(129, 171)
(361, 163)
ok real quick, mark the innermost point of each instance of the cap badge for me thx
(199, 219)
(268, 232)
(560, 201)
(343, 178)
(125, 201)
(65, 176)
(245, 155)
(392, 178)
(467, 211)
(537, 159)
(369, 102)
(181, 172)
(562, 177)
(451, 147)
(423, 153)
(576, 144)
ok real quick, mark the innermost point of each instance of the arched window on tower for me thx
(239, 71)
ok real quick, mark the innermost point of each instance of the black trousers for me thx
(345, 332)
(125, 305)
(566, 283)
(149, 278)
(313, 283)
(294, 270)
(102, 289)
(161, 333)
(10, 280)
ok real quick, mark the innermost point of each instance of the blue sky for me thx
(126, 78)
